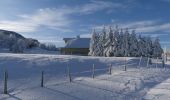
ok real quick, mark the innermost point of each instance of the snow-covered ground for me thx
(34, 50)
(39, 51)
(24, 77)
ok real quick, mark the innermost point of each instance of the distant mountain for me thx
(16, 42)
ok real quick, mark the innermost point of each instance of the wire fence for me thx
(93, 72)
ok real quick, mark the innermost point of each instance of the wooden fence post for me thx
(157, 62)
(5, 82)
(110, 69)
(69, 75)
(148, 62)
(163, 63)
(166, 57)
(140, 61)
(42, 79)
(93, 71)
(125, 67)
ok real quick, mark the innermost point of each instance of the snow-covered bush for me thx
(50, 47)
(30, 43)
(119, 42)
(18, 47)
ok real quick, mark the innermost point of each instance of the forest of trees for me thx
(122, 42)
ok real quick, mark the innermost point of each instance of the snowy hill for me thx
(15, 42)
(135, 83)
(8, 33)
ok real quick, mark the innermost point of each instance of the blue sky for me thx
(51, 20)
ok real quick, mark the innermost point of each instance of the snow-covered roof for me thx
(67, 39)
(78, 43)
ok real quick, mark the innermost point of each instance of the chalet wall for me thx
(75, 51)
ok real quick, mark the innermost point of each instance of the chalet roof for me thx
(78, 43)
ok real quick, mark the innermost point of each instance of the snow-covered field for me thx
(24, 77)
(35, 50)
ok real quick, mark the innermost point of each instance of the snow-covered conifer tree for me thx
(142, 46)
(93, 43)
(116, 41)
(109, 43)
(98, 49)
(122, 43)
(149, 47)
(133, 42)
(102, 41)
(157, 50)
(126, 42)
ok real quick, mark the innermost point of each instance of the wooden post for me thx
(148, 62)
(110, 69)
(42, 79)
(163, 63)
(69, 75)
(5, 82)
(125, 64)
(166, 57)
(157, 62)
(140, 61)
(93, 71)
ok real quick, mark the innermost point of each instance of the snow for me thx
(24, 70)
(35, 50)
(160, 91)
(40, 51)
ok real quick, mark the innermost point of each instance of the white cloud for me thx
(148, 26)
(137, 24)
(20, 26)
(50, 18)
(86, 35)
(165, 27)
(97, 6)
(145, 26)
(54, 18)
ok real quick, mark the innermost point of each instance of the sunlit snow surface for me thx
(136, 83)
